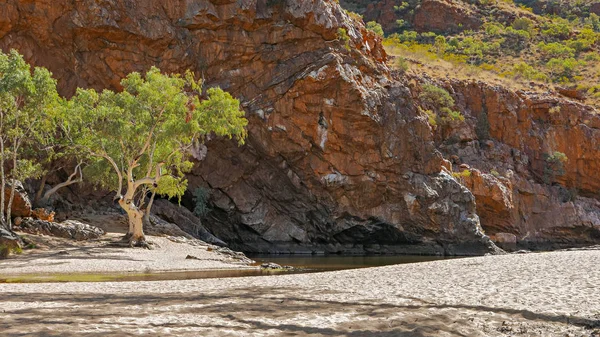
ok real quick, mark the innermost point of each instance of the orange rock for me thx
(21, 206)
(545, 204)
(43, 214)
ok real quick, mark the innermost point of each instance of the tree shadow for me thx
(277, 311)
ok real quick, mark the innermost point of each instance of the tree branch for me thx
(70, 181)
(150, 180)
(150, 134)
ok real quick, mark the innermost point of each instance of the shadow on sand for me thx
(247, 312)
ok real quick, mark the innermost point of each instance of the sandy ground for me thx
(545, 294)
(99, 257)
(169, 251)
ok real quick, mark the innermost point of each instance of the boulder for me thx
(43, 214)
(186, 220)
(445, 16)
(275, 266)
(572, 92)
(158, 226)
(21, 205)
(69, 229)
(506, 241)
(9, 241)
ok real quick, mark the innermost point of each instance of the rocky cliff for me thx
(338, 158)
(532, 159)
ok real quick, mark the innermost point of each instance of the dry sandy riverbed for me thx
(168, 254)
(546, 294)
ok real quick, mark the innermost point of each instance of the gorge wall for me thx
(338, 158)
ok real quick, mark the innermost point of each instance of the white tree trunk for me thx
(10, 202)
(149, 208)
(12, 189)
(136, 225)
(2, 174)
(2, 183)
(135, 233)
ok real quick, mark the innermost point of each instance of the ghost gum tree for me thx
(27, 116)
(140, 138)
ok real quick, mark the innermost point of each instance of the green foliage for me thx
(28, 101)
(557, 157)
(401, 64)
(555, 50)
(452, 116)
(558, 29)
(438, 104)
(375, 28)
(462, 175)
(440, 44)
(343, 36)
(593, 21)
(554, 167)
(437, 97)
(432, 118)
(494, 28)
(6, 250)
(523, 24)
(200, 198)
(522, 70)
(562, 70)
(354, 15)
(146, 130)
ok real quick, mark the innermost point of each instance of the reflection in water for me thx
(301, 264)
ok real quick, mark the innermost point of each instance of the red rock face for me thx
(337, 159)
(519, 188)
(444, 16)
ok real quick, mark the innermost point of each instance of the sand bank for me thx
(545, 294)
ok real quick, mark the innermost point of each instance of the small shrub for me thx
(559, 29)
(436, 97)
(200, 198)
(555, 166)
(524, 71)
(523, 24)
(375, 28)
(400, 64)
(461, 175)
(555, 50)
(432, 118)
(343, 36)
(355, 16)
(563, 69)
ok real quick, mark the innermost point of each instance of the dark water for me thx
(301, 264)
(312, 263)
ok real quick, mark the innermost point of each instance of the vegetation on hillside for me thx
(552, 48)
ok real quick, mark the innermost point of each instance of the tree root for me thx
(127, 241)
(140, 243)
